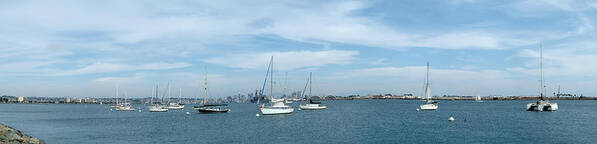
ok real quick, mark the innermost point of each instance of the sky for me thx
(76, 48)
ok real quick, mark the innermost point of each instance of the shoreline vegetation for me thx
(14, 136)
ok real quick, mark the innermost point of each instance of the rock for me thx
(13, 136)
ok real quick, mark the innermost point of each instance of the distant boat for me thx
(176, 106)
(277, 105)
(478, 99)
(543, 104)
(429, 104)
(314, 102)
(118, 104)
(125, 106)
(210, 108)
(156, 107)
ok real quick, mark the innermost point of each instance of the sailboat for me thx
(156, 107)
(210, 108)
(174, 105)
(429, 104)
(543, 104)
(287, 99)
(118, 104)
(478, 99)
(277, 105)
(125, 106)
(314, 102)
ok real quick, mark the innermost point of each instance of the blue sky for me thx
(86, 48)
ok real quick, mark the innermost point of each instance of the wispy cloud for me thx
(285, 60)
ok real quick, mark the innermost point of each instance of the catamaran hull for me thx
(428, 106)
(542, 107)
(273, 111)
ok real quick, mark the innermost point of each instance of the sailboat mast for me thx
(271, 80)
(152, 93)
(205, 88)
(179, 95)
(117, 93)
(310, 82)
(285, 83)
(541, 72)
(427, 89)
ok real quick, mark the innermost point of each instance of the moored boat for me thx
(429, 104)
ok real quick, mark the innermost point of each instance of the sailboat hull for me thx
(429, 106)
(273, 111)
(212, 110)
(312, 107)
(175, 107)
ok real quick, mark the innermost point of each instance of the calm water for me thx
(365, 121)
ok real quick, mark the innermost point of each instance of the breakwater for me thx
(11, 135)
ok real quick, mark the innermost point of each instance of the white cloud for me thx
(285, 60)
(110, 67)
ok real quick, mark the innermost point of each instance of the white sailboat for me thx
(478, 99)
(314, 102)
(125, 106)
(156, 107)
(543, 104)
(174, 105)
(277, 105)
(429, 104)
(118, 104)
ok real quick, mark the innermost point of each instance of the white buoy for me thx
(418, 109)
(257, 115)
(188, 113)
(451, 119)
(139, 110)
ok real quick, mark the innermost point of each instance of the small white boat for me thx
(429, 104)
(277, 105)
(312, 107)
(126, 107)
(157, 108)
(277, 108)
(314, 102)
(543, 104)
(478, 99)
(175, 106)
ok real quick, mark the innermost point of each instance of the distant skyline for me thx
(475, 47)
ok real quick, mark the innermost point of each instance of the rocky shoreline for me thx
(13, 136)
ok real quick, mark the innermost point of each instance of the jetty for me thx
(13, 136)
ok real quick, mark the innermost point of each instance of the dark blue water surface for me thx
(358, 121)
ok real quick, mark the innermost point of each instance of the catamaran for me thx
(314, 102)
(210, 108)
(277, 105)
(429, 104)
(543, 104)
(156, 107)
